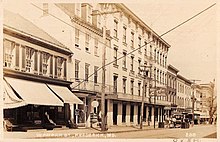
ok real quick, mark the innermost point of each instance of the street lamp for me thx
(145, 73)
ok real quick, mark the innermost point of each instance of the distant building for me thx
(208, 100)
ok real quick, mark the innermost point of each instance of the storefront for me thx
(27, 103)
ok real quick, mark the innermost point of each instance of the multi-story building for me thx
(208, 101)
(184, 97)
(35, 74)
(172, 88)
(79, 27)
(130, 33)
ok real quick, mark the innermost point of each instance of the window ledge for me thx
(124, 68)
(115, 65)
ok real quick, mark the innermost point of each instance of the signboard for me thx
(95, 103)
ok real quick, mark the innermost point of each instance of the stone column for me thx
(119, 119)
(152, 115)
(71, 111)
(109, 113)
(89, 110)
(128, 109)
(135, 114)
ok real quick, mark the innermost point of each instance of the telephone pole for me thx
(103, 124)
(145, 73)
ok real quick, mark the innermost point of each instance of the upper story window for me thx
(139, 89)
(116, 28)
(45, 63)
(145, 49)
(139, 44)
(87, 42)
(124, 60)
(132, 39)
(77, 69)
(96, 46)
(115, 56)
(76, 37)
(115, 84)
(28, 59)
(59, 67)
(139, 66)
(124, 85)
(8, 56)
(86, 72)
(124, 34)
(96, 74)
(132, 63)
(132, 87)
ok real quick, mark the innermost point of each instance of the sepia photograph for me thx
(131, 70)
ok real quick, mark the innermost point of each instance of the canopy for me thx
(65, 94)
(34, 92)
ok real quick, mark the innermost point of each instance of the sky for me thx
(193, 45)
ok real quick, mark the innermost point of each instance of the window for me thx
(17, 55)
(115, 78)
(132, 87)
(96, 46)
(45, 9)
(40, 66)
(86, 72)
(115, 56)
(55, 65)
(139, 66)
(139, 89)
(157, 75)
(36, 60)
(87, 42)
(151, 51)
(115, 28)
(165, 61)
(64, 69)
(158, 57)
(139, 44)
(124, 60)
(132, 63)
(23, 57)
(145, 49)
(59, 67)
(155, 54)
(28, 59)
(124, 85)
(96, 74)
(51, 65)
(76, 69)
(76, 37)
(132, 39)
(45, 58)
(8, 57)
(124, 34)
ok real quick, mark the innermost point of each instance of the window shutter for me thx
(65, 68)
(55, 71)
(35, 60)
(40, 68)
(51, 65)
(17, 55)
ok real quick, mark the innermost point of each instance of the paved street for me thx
(198, 131)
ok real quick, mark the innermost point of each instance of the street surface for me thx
(119, 132)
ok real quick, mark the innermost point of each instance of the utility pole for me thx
(103, 124)
(143, 94)
(103, 128)
(155, 91)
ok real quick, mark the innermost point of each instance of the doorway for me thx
(115, 113)
(139, 113)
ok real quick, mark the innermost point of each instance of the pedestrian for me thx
(174, 121)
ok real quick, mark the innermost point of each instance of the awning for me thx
(65, 94)
(10, 100)
(34, 92)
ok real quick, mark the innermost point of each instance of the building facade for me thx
(208, 102)
(184, 94)
(35, 74)
(79, 26)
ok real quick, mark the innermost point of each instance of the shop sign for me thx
(95, 103)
